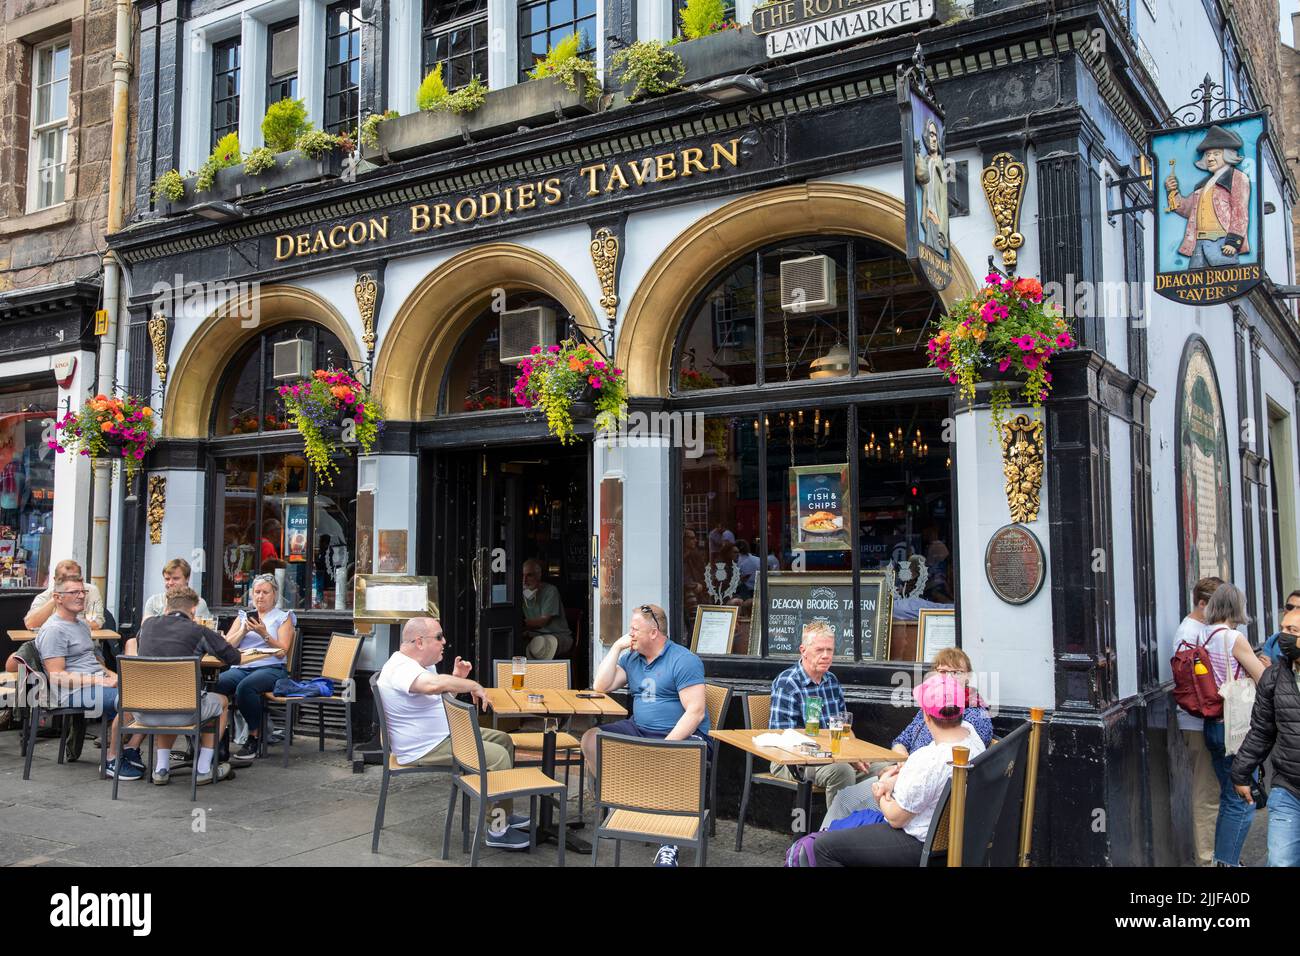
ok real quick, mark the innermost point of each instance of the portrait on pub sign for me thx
(925, 185)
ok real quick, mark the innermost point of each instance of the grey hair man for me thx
(545, 629)
(411, 689)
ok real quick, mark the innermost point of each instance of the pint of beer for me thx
(518, 665)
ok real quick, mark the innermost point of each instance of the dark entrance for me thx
(492, 511)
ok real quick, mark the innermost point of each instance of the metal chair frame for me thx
(345, 694)
(34, 691)
(390, 767)
(715, 723)
(802, 789)
(565, 761)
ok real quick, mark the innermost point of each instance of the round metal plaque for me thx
(1013, 563)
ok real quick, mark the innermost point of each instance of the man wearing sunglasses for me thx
(1271, 652)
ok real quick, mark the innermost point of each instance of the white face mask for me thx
(530, 593)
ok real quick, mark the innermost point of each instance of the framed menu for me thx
(796, 599)
(715, 629)
(395, 597)
(820, 501)
(936, 629)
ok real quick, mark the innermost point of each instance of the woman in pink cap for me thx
(908, 795)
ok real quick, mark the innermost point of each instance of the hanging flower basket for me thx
(331, 400)
(562, 379)
(109, 428)
(1004, 334)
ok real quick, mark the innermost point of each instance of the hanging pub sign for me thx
(925, 174)
(796, 26)
(1209, 209)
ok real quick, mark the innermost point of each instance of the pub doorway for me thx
(493, 510)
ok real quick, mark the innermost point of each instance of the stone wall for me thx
(1289, 109)
(62, 242)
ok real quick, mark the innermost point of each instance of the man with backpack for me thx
(1205, 786)
(1275, 728)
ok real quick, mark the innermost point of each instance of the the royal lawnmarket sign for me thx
(796, 26)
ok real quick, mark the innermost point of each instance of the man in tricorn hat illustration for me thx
(1218, 210)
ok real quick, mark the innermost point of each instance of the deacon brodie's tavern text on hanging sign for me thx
(597, 179)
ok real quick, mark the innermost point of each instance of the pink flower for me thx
(553, 348)
(1031, 360)
(593, 382)
(1005, 364)
(139, 453)
(1064, 341)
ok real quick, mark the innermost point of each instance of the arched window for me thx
(476, 379)
(270, 513)
(812, 481)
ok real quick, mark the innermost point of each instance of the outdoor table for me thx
(555, 703)
(852, 750)
(208, 661)
(96, 635)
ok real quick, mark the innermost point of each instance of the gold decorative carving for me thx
(367, 293)
(1022, 466)
(1004, 188)
(157, 503)
(604, 256)
(158, 336)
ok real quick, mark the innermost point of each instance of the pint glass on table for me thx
(518, 665)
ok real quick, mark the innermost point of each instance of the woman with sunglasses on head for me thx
(951, 661)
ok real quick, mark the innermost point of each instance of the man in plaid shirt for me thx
(812, 677)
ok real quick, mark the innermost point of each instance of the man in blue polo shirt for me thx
(666, 681)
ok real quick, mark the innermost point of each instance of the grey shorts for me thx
(211, 707)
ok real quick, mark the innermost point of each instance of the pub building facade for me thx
(745, 246)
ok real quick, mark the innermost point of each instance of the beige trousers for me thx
(1205, 796)
(498, 751)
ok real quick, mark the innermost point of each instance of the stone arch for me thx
(193, 380)
(690, 261)
(417, 349)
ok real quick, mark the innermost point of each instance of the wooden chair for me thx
(651, 791)
(34, 692)
(163, 685)
(492, 786)
(341, 667)
(758, 711)
(391, 767)
(545, 675)
(717, 699)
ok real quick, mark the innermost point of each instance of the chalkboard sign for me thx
(794, 600)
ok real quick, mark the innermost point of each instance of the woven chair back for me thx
(538, 675)
(760, 711)
(160, 685)
(463, 726)
(646, 775)
(341, 657)
(716, 698)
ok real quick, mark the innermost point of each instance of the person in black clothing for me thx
(176, 634)
(1275, 727)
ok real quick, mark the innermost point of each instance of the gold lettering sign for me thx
(598, 179)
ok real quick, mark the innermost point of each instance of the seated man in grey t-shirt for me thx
(545, 628)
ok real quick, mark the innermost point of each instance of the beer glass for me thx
(836, 726)
(846, 720)
(518, 665)
(812, 716)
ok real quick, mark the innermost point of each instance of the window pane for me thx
(334, 553)
(26, 486)
(284, 544)
(560, 10)
(58, 100)
(477, 380)
(42, 104)
(895, 310)
(719, 348)
(794, 340)
(235, 521)
(721, 522)
(237, 409)
(51, 168)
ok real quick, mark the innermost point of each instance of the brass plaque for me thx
(1014, 565)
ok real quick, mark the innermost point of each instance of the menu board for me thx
(819, 507)
(794, 600)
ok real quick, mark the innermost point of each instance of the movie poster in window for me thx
(925, 180)
(1204, 483)
(820, 500)
(1209, 209)
(295, 529)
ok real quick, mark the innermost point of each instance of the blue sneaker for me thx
(519, 821)
(124, 771)
(667, 855)
(132, 756)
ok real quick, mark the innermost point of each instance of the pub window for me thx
(282, 62)
(225, 89)
(455, 35)
(477, 380)
(26, 485)
(728, 14)
(48, 162)
(248, 401)
(543, 25)
(804, 499)
(342, 66)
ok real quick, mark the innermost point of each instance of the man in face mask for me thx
(1275, 728)
(545, 627)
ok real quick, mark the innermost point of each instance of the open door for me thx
(496, 573)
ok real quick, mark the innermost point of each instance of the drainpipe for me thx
(112, 285)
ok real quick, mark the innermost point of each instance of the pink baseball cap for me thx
(941, 696)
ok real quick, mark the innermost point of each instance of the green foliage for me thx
(169, 186)
(468, 98)
(259, 161)
(432, 93)
(284, 123)
(700, 18)
(317, 144)
(651, 66)
(370, 128)
(563, 63)
(552, 380)
(224, 155)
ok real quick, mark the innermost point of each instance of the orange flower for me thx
(576, 364)
(101, 397)
(147, 412)
(1029, 287)
(319, 373)
(105, 426)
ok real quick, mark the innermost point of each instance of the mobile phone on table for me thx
(585, 696)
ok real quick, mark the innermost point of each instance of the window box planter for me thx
(291, 169)
(534, 103)
(720, 54)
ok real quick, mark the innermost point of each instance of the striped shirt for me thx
(1219, 641)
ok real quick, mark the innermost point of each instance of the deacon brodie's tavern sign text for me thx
(596, 180)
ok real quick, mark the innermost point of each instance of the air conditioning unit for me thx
(808, 284)
(291, 359)
(522, 329)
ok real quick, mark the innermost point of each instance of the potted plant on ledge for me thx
(1006, 334)
(332, 409)
(713, 46)
(561, 381)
